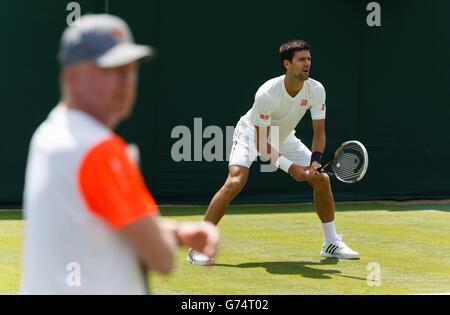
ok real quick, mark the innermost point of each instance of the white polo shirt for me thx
(81, 187)
(273, 106)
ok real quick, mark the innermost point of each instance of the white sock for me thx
(329, 229)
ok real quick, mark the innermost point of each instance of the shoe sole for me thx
(193, 262)
(335, 256)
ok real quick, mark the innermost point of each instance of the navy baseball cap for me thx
(103, 39)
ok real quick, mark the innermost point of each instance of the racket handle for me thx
(320, 170)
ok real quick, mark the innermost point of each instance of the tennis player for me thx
(279, 106)
(92, 227)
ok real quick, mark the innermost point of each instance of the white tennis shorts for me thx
(244, 151)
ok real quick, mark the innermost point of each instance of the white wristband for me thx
(283, 163)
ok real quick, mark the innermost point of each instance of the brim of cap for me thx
(124, 54)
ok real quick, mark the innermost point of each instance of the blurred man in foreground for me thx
(91, 223)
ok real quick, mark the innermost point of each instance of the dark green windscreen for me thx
(386, 86)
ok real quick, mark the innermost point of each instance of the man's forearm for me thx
(318, 143)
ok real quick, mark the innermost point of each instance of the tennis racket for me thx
(349, 163)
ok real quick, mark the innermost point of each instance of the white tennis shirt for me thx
(273, 106)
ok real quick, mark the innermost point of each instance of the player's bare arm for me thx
(318, 142)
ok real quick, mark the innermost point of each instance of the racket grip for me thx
(321, 170)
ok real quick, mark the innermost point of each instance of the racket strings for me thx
(349, 162)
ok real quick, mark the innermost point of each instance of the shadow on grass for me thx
(302, 268)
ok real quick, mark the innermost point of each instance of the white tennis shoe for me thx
(197, 258)
(338, 249)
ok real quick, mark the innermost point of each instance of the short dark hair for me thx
(288, 49)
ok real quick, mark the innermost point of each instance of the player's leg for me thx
(333, 245)
(237, 178)
(242, 155)
(324, 205)
(323, 197)
(298, 153)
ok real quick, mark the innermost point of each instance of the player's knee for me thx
(235, 184)
(322, 180)
(325, 179)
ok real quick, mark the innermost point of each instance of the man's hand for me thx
(299, 173)
(313, 168)
(203, 238)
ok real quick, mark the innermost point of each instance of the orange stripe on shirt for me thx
(112, 186)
